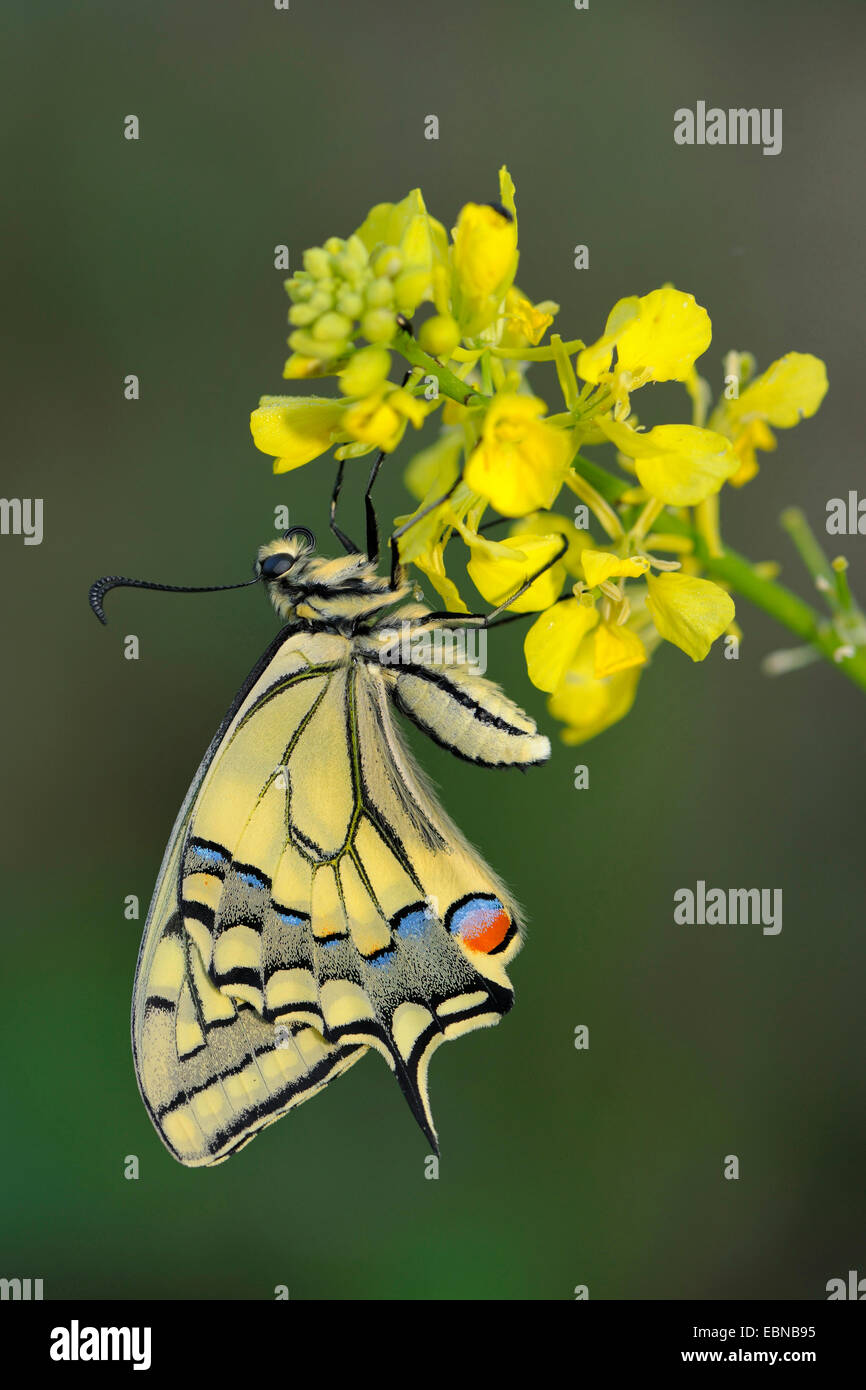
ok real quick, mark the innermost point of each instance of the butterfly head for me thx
(276, 558)
(340, 591)
(281, 564)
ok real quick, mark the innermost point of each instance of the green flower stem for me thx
(486, 377)
(449, 384)
(541, 354)
(565, 371)
(811, 554)
(740, 575)
(785, 607)
(840, 569)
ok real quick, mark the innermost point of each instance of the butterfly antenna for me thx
(117, 581)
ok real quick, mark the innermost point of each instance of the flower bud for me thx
(439, 336)
(379, 325)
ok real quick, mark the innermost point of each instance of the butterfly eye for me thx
(275, 565)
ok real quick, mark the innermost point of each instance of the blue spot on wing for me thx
(383, 960)
(291, 919)
(250, 877)
(413, 921)
(212, 855)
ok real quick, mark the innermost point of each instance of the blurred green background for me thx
(559, 1168)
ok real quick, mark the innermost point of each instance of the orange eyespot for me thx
(480, 921)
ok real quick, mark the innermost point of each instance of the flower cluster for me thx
(625, 566)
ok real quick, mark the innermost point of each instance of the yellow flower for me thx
(524, 324)
(678, 464)
(483, 259)
(790, 390)
(551, 643)
(380, 419)
(599, 565)
(689, 612)
(520, 462)
(497, 570)
(586, 704)
(295, 428)
(657, 337)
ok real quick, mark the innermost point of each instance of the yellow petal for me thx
(434, 469)
(353, 451)
(433, 565)
(669, 333)
(678, 464)
(507, 192)
(617, 649)
(599, 565)
(790, 390)
(415, 408)
(595, 361)
(485, 243)
(657, 337)
(380, 418)
(374, 420)
(498, 570)
(520, 462)
(295, 429)
(297, 366)
(753, 436)
(484, 261)
(365, 371)
(587, 705)
(689, 612)
(524, 322)
(552, 641)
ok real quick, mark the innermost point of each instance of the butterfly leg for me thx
(348, 545)
(369, 511)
